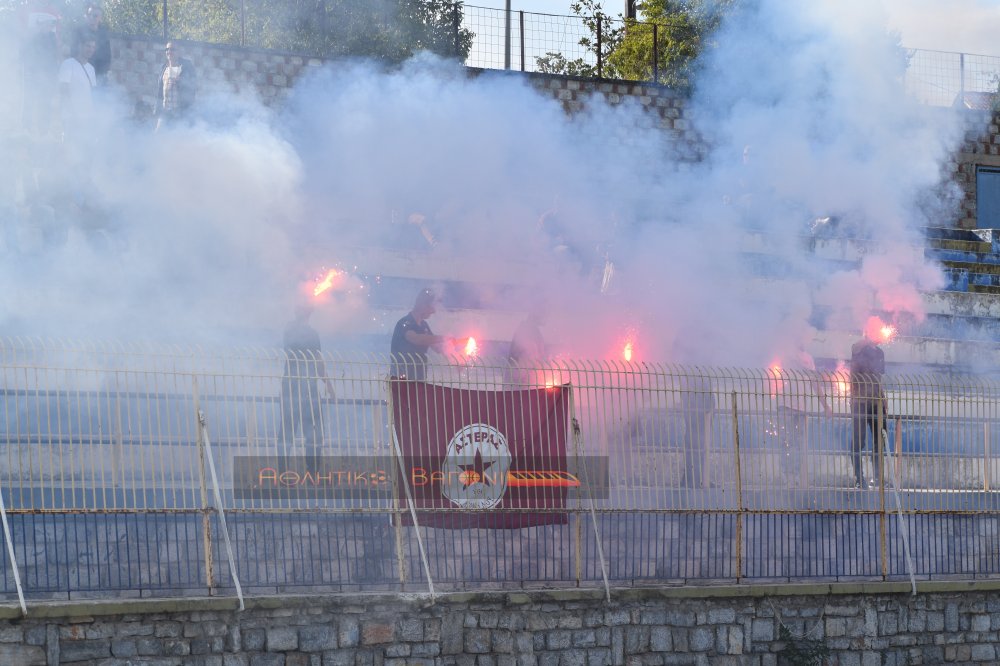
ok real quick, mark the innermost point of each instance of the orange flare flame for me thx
(842, 385)
(775, 383)
(627, 351)
(471, 348)
(326, 283)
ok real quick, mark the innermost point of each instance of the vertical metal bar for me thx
(506, 35)
(879, 442)
(522, 38)
(206, 519)
(987, 468)
(456, 25)
(656, 55)
(10, 554)
(898, 447)
(600, 57)
(397, 510)
(593, 514)
(203, 438)
(961, 76)
(739, 491)
(413, 514)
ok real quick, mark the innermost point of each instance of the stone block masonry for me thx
(269, 75)
(875, 623)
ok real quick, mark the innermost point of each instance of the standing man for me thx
(176, 87)
(411, 339)
(300, 399)
(868, 400)
(102, 54)
(76, 85)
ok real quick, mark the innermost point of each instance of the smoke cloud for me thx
(207, 233)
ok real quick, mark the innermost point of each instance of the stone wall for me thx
(137, 62)
(980, 147)
(860, 626)
(269, 75)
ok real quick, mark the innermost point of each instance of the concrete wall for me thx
(859, 625)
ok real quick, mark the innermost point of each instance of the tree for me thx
(390, 30)
(625, 48)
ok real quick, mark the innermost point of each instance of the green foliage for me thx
(596, 22)
(678, 42)
(390, 30)
(627, 47)
(800, 651)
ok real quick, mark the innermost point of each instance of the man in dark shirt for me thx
(868, 401)
(300, 399)
(411, 339)
(101, 59)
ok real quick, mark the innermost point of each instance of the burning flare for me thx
(840, 379)
(775, 382)
(471, 348)
(326, 283)
(627, 351)
(880, 332)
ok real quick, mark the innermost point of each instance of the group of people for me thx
(412, 338)
(65, 91)
(61, 77)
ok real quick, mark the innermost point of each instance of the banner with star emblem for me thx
(482, 459)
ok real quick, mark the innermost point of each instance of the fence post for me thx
(739, 492)
(506, 36)
(986, 456)
(206, 519)
(166, 31)
(879, 442)
(961, 78)
(456, 28)
(522, 38)
(656, 55)
(600, 57)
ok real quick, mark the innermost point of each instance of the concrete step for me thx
(978, 247)
(984, 289)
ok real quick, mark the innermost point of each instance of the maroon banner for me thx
(483, 459)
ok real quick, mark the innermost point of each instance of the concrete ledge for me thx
(84, 610)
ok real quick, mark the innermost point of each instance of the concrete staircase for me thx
(971, 258)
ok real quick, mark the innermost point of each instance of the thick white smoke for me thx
(212, 229)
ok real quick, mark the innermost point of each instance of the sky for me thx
(207, 232)
(962, 26)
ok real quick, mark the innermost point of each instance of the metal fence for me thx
(496, 39)
(118, 476)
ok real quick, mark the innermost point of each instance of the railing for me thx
(525, 41)
(118, 474)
